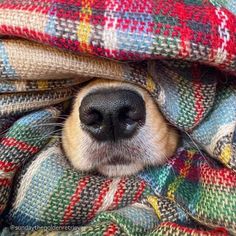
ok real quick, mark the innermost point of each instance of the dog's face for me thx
(117, 129)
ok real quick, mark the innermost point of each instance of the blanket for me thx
(182, 52)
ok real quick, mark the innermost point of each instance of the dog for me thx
(116, 129)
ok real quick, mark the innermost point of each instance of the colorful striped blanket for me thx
(182, 52)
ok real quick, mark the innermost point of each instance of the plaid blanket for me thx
(48, 48)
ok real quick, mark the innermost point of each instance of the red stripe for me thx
(7, 166)
(197, 88)
(75, 199)
(5, 182)
(198, 104)
(119, 194)
(112, 230)
(25, 33)
(221, 177)
(218, 231)
(100, 199)
(185, 32)
(139, 191)
(12, 142)
(25, 7)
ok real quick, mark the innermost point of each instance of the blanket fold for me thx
(182, 52)
(200, 30)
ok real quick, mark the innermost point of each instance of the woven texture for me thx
(185, 92)
(21, 142)
(192, 194)
(141, 205)
(128, 29)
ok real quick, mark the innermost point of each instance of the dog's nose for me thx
(112, 114)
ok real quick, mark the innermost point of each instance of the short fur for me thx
(153, 144)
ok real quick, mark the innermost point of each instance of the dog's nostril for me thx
(123, 115)
(112, 114)
(94, 118)
(126, 115)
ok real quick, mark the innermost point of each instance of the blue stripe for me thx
(52, 20)
(37, 116)
(135, 42)
(223, 113)
(7, 68)
(37, 197)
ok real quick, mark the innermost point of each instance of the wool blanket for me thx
(182, 52)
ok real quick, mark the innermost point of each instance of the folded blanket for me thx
(191, 194)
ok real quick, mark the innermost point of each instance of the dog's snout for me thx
(112, 114)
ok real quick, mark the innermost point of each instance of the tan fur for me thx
(154, 143)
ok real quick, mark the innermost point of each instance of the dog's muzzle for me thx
(112, 114)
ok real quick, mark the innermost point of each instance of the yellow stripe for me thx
(84, 33)
(150, 84)
(85, 28)
(154, 203)
(226, 154)
(173, 187)
(42, 85)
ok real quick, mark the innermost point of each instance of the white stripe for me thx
(21, 86)
(26, 180)
(23, 19)
(222, 131)
(224, 35)
(108, 199)
(109, 34)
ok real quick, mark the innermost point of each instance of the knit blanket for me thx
(182, 52)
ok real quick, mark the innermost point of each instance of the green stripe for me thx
(217, 204)
(60, 199)
(186, 100)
